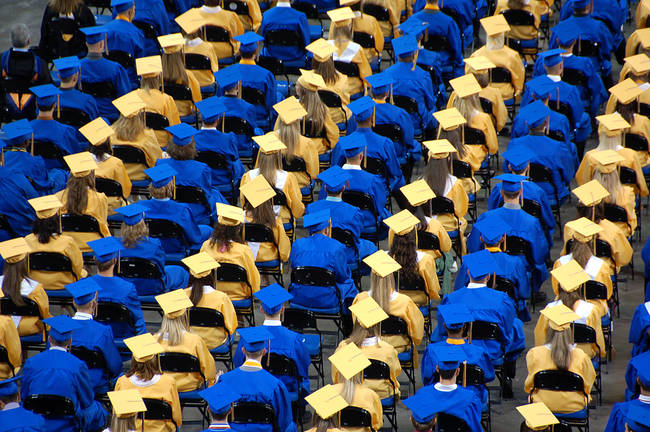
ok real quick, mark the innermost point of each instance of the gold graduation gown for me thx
(198, 46)
(195, 345)
(97, 207)
(10, 340)
(219, 301)
(33, 290)
(241, 255)
(158, 102)
(630, 160)
(365, 23)
(351, 52)
(369, 401)
(264, 252)
(216, 16)
(286, 182)
(427, 271)
(509, 59)
(65, 245)
(148, 143)
(185, 107)
(113, 168)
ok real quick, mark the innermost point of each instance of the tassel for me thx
(464, 373)
(364, 157)
(118, 262)
(223, 123)
(105, 44)
(391, 95)
(174, 187)
(415, 60)
(58, 107)
(373, 116)
(268, 356)
(32, 144)
(471, 328)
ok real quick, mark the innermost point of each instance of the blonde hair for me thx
(166, 191)
(561, 344)
(150, 83)
(174, 329)
(325, 69)
(610, 181)
(341, 33)
(269, 164)
(316, 109)
(290, 135)
(174, 68)
(382, 288)
(468, 106)
(349, 386)
(122, 424)
(77, 191)
(608, 143)
(359, 333)
(129, 128)
(131, 234)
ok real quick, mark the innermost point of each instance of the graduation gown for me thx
(121, 35)
(212, 139)
(10, 340)
(407, 148)
(427, 270)
(631, 374)
(192, 344)
(74, 99)
(331, 135)
(33, 290)
(593, 30)
(65, 137)
(434, 227)
(368, 400)
(158, 102)
(286, 182)
(457, 401)
(351, 52)
(256, 77)
(16, 192)
(612, 234)
(112, 168)
(519, 32)
(616, 422)
(499, 114)
(185, 107)
(558, 124)
(64, 245)
(96, 207)
(219, 301)
(216, 16)
(15, 418)
(265, 252)
(368, 24)
(416, 84)
(117, 290)
(588, 165)
(283, 17)
(44, 181)
(241, 255)
(205, 78)
(148, 143)
(455, 191)
(641, 14)
(239, 108)
(509, 59)
(97, 69)
(639, 328)
(307, 150)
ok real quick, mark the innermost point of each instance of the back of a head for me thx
(20, 36)
(64, 7)
(382, 288)
(436, 175)
(173, 68)
(561, 347)
(131, 234)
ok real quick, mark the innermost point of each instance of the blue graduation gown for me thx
(226, 144)
(558, 123)
(153, 12)
(21, 420)
(432, 58)
(122, 35)
(285, 18)
(378, 147)
(241, 109)
(461, 403)
(324, 252)
(33, 168)
(15, 191)
(408, 147)
(98, 337)
(645, 256)
(73, 98)
(639, 328)
(631, 374)
(616, 422)
(612, 13)
(65, 137)
(118, 290)
(61, 373)
(416, 84)
(466, 15)
(99, 69)
(254, 384)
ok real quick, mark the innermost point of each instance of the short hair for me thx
(19, 36)
(447, 374)
(510, 195)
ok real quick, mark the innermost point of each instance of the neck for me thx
(68, 85)
(353, 162)
(511, 201)
(274, 317)
(448, 382)
(107, 273)
(46, 115)
(337, 195)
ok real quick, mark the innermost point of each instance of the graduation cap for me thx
(149, 66)
(413, 27)
(450, 357)
(310, 80)
(272, 298)
(290, 110)
(455, 315)
(321, 49)
(511, 182)
(120, 6)
(67, 66)
(349, 360)
(353, 147)
(449, 118)
(368, 312)
(637, 418)
(229, 215)
(543, 87)
(191, 21)
(538, 112)
(317, 221)
(584, 229)
(143, 347)
(80, 164)
(254, 339)
(644, 37)
(46, 95)
(537, 416)
(174, 303)
(417, 192)
(402, 223)
(465, 85)
(480, 264)
(382, 263)
(581, 4)
(126, 403)
(219, 397)
(171, 43)
(200, 264)
(362, 108)
(46, 206)
(334, 178)
(61, 327)
(8, 387)
(133, 213)
(495, 25)
(517, 158)
(591, 193)
(439, 149)
(381, 83)
(642, 367)
(492, 229)
(211, 109)
(326, 401)
(228, 78)
(405, 45)
(269, 143)
(83, 291)
(248, 41)
(607, 160)
(612, 124)
(570, 276)
(181, 133)
(341, 16)
(160, 175)
(97, 131)
(639, 64)
(257, 191)
(17, 132)
(626, 91)
(106, 249)
(422, 410)
(480, 63)
(552, 57)
(94, 34)
(14, 250)
(567, 36)
(559, 317)
(130, 104)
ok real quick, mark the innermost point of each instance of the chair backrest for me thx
(486, 105)
(349, 69)
(140, 268)
(541, 174)
(29, 309)
(615, 213)
(147, 28)
(407, 103)
(111, 312)
(377, 370)
(414, 284)
(627, 176)
(216, 34)
(252, 412)
(237, 125)
(450, 423)
(519, 17)
(595, 290)
(253, 96)
(104, 89)
(50, 405)
(636, 142)
(308, 130)
(94, 359)
(124, 58)
(6, 226)
(474, 136)
(179, 92)
(518, 246)
(330, 98)
(72, 116)
(438, 43)
(129, 154)
(228, 272)
(79, 223)
(300, 320)
(286, 38)
(532, 207)
(361, 200)
(375, 166)
(428, 241)
(392, 131)
(280, 365)
(366, 40)
(558, 380)
(379, 12)
(586, 48)
(195, 61)
(355, 417)
(237, 6)
(575, 77)
(461, 169)
(309, 9)
(50, 262)
(179, 362)
(485, 330)
(442, 205)
(272, 64)
(603, 249)
(501, 75)
(562, 108)
(206, 317)
(155, 121)
(394, 325)
(158, 409)
(108, 187)
(213, 159)
(258, 233)
(344, 236)
(191, 195)
(502, 284)
(164, 228)
(47, 150)
(555, 134)
(313, 276)
(4, 359)
(582, 333)
(297, 164)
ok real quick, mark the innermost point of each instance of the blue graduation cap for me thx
(219, 397)
(254, 339)
(352, 147)
(455, 315)
(405, 45)
(413, 27)
(182, 133)
(552, 57)
(492, 229)
(160, 175)
(61, 327)
(362, 108)
(543, 87)
(228, 77)
(334, 178)
(17, 132)
(83, 291)
(380, 83)
(450, 357)
(248, 41)
(316, 221)
(421, 407)
(567, 36)
(120, 6)
(272, 298)
(642, 366)
(511, 182)
(67, 66)
(638, 418)
(132, 213)
(211, 108)
(517, 158)
(106, 248)
(581, 4)
(46, 95)
(480, 264)
(94, 34)
(538, 112)
(8, 387)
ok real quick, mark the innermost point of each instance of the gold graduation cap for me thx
(174, 303)
(560, 317)
(449, 118)
(149, 66)
(348, 2)
(97, 131)
(584, 229)
(290, 110)
(495, 25)
(480, 63)
(612, 124)
(537, 416)
(229, 215)
(46, 206)
(130, 104)
(349, 360)
(368, 312)
(382, 263)
(640, 63)
(257, 191)
(326, 401)
(465, 85)
(570, 276)
(607, 160)
(644, 37)
(402, 223)
(200, 264)
(171, 43)
(126, 402)
(143, 347)
(341, 15)
(591, 193)
(418, 192)
(269, 143)
(321, 49)
(626, 91)
(311, 80)
(191, 21)
(81, 164)
(14, 250)
(439, 149)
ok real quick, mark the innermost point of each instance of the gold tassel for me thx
(373, 116)
(174, 187)
(464, 373)
(32, 144)
(58, 107)
(415, 60)
(391, 95)
(268, 356)
(223, 123)
(471, 327)
(118, 262)
(364, 157)
(105, 44)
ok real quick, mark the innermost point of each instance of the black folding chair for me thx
(181, 92)
(415, 285)
(193, 195)
(48, 150)
(298, 165)
(104, 89)
(408, 104)
(364, 201)
(233, 273)
(280, 199)
(212, 318)
(94, 359)
(148, 29)
(155, 121)
(348, 69)
(333, 100)
(54, 262)
(29, 309)
(463, 170)
(615, 213)
(179, 362)
(450, 423)
(542, 174)
(72, 116)
(504, 285)
(380, 13)
(4, 359)
(141, 268)
(566, 381)
(304, 321)
(356, 417)
(396, 326)
(114, 314)
(428, 241)
(311, 276)
(584, 334)
(51, 406)
(279, 366)
(165, 229)
(378, 370)
(346, 237)
(253, 413)
(158, 409)
(489, 331)
(258, 233)
(444, 206)
(122, 57)
(134, 156)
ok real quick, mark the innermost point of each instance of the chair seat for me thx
(528, 43)
(58, 293)
(424, 310)
(312, 342)
(595, 362)
(226, 61)
(486, 406)
(211, 89)
(115, 218)
(471, 197)
(325, 311)
(388, 402)
(192, 395)
(509, 102)
(188, 118)
(287, 226)
(325, 157)
(268, 264)
(578, 415)
(293, 396)
(315, 32)
(140, 183)
(306, 190)
(498, 362)
(453, 234)
(242, 304)
(606, 321)
(103, 19)
(151, 299)
(405, 356)
(224, 348)
(34, 338)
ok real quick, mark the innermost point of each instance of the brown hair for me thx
(423, 427)
(468, 106)
(104, 266)
(568, 299)
(64, 7)
(102, 149)
(224, 235)
(483, 79)
(44, 229)
(150, 83)
(382, 288)
(129, 128)
(290, 136)
(197, 284)
(262, 214)
(598, 212)
(325, 69)
(581, 252)
(186, 152)
(122, 424)
(323, 425)
(510, 195)
(626, 111)
(455, 137)
(269, 164)
(436, 174)
(561, 343)
(132, 234)
(77, 191)
(14, 274)
(166, 191)
(516, 4)
(144, 370)
(404, 251)
(174, 68)
(341, 33)
(316, 109)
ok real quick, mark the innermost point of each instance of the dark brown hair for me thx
(197, 284)
(224, 235)
(77, 191)
(14, 274)
(186, 152)
(404, 251)
(44, 229)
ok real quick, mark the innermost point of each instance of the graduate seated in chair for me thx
(12, 415)
(621, 411)
(122, 35)
(69, 70)
(219, 398)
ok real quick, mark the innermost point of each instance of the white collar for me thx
(548, 346)
(207, 289)
(58, 348)
(555, 78)
(141, 383)
(512, 206)
(475, 285)
(14, 405)
(208, 128)
(70, 16)
(370, 341)
(210, 9)
(566, 54)
(161, 199)
(194, 42)
(644, 399)
(644, 86)
(351, 167)
(393, 295)
(272, 323)
(445, 387)
(82, 316)
(21, 49)
(283, 4)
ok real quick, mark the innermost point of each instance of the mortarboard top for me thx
(607, 160)
(61, 327)
(402, 223)
(480, 63)
(80, 164)
(46, 206)
(321, 49)
(143, 347)
(612, 124)
(122, 5)
(455, 315)
(105, 248)
(465, 85)
(200, 264)
(8, 387)
(413, 27)
(382, 263)
(311, 80)
(567, 36)
(637, 418)
(229, 215)
(353, 147)
(269, 143)
(290, 110)
(368, 312)
(538, 113)
(644, 37)
(450, 357)
(422, 410)
(67, 66)
(160, 175)
(14, 250)
(362, 108)
(405, 45)
(380, 83)
(17, 132)
(174, 303)
(449, 118)
(580, 4)
(584, 229)
(559, 317)
(626, 91)
(543, 87)
(210, 109)
(341, 15)
(642, 367)
(272, 298)
(334, 178)
(97, 131)
(46, 94)
(130, 104)
(228, 78)
(316, 221)
(326, 401)
(349, 360)
(439, 149)
(181, 133)
(537, 416)
(418, 192)
(171, 43)
(591, 193)
(495, 25)
(126, 402)
(511, 182)
(94, 34)
(219, 397)
(517, 158)
(552, 57)
(83, 291)
(149, 66)
(492, 229)
(570, 276)
(191, 21)
(480, 264)
(248, 41)
(257, 191)
(254, 339)
(640, 63)
(133, 213)
(348, 2)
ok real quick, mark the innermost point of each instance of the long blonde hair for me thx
(316, 109)
(150, 83)
(129, 128)
(174, 329)
(359, 333)
(269, 164)
(349, 386)
(64, 6)
(122, 424)
(610, 181)
(132, 234)
(608, 143)
(561, 344)
(468, 106)
(77, 191)
(382, 288)
(174, 68)
(341, 33)
(290, 135)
